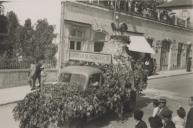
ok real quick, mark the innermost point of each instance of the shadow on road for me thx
(143, 102)
(105, 120)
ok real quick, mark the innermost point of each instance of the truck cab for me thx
(83, 76)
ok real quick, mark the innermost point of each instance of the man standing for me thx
(37, 74)
(189, 64)
(163, 107)
(189, 120)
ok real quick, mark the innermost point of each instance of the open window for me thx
(99, 40)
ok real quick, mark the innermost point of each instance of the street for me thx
(176, 89)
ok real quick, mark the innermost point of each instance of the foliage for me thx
(27, 41)
(43, 37)
(63, 103)
(9, 42)
(3, 24)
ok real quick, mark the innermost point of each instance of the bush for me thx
(62, 103)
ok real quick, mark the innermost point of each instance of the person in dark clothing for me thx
(167, 119)
(37, 74)
(189, 64)
(189, 120)
(154, 120)
(138, 115)
(163, 107)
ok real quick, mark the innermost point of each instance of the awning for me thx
(177, 4)
(140, 44)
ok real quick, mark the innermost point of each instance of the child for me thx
(179, 120)
(138, 115)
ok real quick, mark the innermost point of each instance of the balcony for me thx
(145, 9)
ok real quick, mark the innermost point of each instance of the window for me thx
(76, 36)
(99, 40)
(72, 45)
(76, 33)
(65, 77)
(78, 45)
(98, 46)
(75, 45)
(77, 79)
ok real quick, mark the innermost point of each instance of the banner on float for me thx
(91, 57)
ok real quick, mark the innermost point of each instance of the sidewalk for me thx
(164, 74)
(12, 95)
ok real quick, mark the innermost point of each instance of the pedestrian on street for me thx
(163, 107)
(154, 120)
(138, 115)
(167, 119)
(189, 120)
(189, 64)
(37, 74)
(156, 108)
(154, 66)
(179, 120)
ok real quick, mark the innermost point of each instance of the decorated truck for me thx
(89, 86)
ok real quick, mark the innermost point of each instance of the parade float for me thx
(65, 105)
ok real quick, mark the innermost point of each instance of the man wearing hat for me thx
(189, 120)
(163, 107)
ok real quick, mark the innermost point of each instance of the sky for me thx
(36, 9)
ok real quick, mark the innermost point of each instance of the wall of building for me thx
(100, 18)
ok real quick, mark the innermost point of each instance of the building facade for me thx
(87, 27)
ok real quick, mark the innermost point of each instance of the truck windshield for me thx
(78, 79)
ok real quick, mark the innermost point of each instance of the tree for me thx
(25, 38)
(11, 39)
(42, 40)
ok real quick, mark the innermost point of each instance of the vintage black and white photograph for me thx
(96, 64)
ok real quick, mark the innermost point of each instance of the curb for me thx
(11, 102)
(166, 76)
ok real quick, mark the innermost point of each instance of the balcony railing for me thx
(145, 9)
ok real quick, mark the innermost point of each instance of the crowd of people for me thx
(162, 116)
